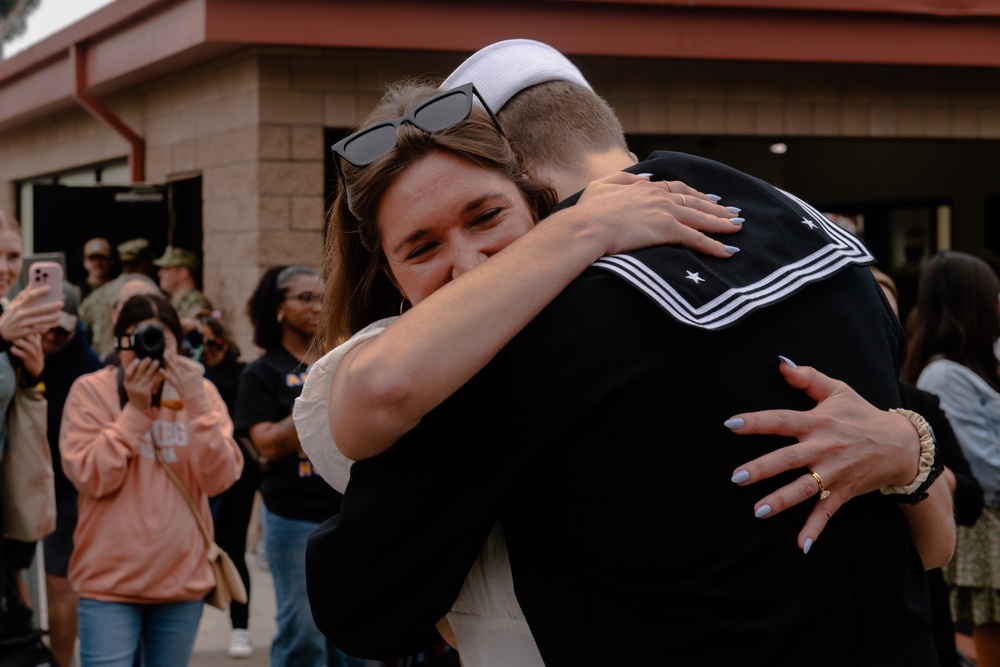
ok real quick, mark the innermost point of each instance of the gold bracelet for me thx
(927, 471)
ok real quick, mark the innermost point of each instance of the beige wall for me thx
(251, 124)
(656, 97)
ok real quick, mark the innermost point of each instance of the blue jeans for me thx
(299, 643)
(111, 633)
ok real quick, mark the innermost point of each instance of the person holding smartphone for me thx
(23, 319)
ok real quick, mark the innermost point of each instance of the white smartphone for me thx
(47, 273)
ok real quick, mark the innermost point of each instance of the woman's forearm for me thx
(932, 525)
(275, 440)
(385, 385)
(217, 459)
(96, 447)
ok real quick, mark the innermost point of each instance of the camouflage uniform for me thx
(95, 311)
(191, 304)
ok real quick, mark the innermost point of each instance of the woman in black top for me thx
(284, 310)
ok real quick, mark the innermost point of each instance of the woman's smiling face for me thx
(443, 216)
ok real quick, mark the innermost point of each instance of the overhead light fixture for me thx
(779, 148)
(139, 195)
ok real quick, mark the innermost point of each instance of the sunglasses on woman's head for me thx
(439, 112)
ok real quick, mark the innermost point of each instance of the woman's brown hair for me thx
(957, 316)
(358, 289)
(147, 307)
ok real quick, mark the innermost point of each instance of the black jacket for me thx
(597, 437)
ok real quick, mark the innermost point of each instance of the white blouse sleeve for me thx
(488, 623)
(312, 410)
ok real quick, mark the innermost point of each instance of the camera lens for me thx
(149, 341)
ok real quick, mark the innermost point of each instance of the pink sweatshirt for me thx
(136, 540)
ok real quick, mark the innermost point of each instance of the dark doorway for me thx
(65, 217)
(896, 185)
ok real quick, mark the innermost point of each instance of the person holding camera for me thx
(139, 563)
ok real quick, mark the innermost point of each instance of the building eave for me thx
(133, 41)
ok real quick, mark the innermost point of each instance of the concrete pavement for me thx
(213, 634)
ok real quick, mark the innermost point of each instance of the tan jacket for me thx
(136, 540)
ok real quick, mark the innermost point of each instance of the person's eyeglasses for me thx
(214, 343)
(439, 112)
(305, 297)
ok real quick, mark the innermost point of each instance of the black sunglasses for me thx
(305, 297)
(214, 343)
(439, 112)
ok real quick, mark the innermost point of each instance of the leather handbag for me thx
(29, 492)
(228, 583)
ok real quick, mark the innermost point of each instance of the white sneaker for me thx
(240, 645)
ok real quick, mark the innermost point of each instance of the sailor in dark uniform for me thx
(597, 437)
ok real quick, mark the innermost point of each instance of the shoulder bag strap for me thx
(184, 492)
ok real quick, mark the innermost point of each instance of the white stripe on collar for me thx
(843, 250)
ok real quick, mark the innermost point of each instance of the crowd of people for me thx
(473, 434)
(139, 372)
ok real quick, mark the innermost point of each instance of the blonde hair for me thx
(9, 223)
(557, 124)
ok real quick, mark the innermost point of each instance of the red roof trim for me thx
(130, 41)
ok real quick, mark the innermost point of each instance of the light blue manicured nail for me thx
(733, 422)
(731, 249)
(807, 545)
(645, 174)
(788, 361)
(762, 511)
(714, 198)
(737, 221)
(733, 209)
(740, 477)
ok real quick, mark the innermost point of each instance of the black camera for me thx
(146, 341)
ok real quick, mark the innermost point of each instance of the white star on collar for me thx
(808, 223)
(695, 277)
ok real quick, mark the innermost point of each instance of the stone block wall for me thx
(797, 99)
(252, 123)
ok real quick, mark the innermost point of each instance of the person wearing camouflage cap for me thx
(134, 250)
(176, 269)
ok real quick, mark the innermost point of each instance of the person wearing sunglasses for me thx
(231, 510)
(569, 429)
(284, 310)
